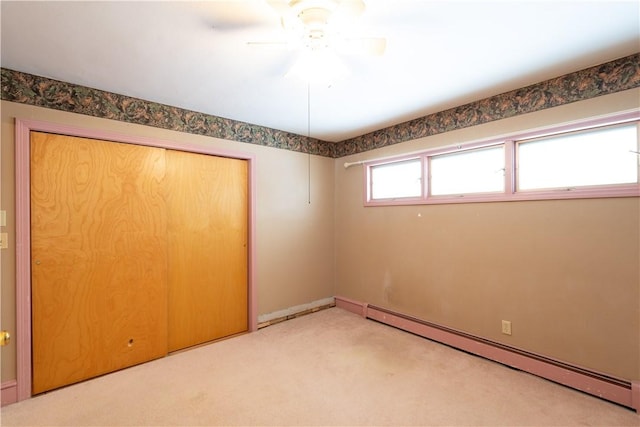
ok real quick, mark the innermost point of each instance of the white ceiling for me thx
(194, 55)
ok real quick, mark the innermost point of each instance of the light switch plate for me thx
(4, 240)
(3, 218)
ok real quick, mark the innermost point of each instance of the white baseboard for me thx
(291, 311)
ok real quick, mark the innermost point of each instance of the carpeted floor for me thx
(328, 368)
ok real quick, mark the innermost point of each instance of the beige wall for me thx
(294, 238)
(566, 273)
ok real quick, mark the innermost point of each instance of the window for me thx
(470, 171)
(599, 158)
(396, 180)
(604, 156)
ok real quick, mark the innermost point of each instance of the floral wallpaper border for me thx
(44, 92)
(610, 77)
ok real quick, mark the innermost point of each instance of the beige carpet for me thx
(328, 368)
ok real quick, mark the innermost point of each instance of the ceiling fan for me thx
(316, 25)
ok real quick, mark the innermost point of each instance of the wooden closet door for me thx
(98, 221)
(207, 217)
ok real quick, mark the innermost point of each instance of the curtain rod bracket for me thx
(348, 165)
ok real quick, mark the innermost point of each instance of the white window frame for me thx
(369, 179)
(429, 158)
(582, 187)
(511, 193)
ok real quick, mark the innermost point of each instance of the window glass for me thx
(396, 180)
(472, 171)
(594, 157)
(602, 160)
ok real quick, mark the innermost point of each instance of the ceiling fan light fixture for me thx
(316, 40)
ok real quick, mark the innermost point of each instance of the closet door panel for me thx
(99, 257)
(207, 246)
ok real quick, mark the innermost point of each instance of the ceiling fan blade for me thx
(372, 46)
(232, 16)
(279, 5)
(283, 9)
(349, 9)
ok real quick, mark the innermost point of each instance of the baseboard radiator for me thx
(622, 392)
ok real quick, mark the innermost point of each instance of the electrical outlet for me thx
(4, 241)
(506, 327)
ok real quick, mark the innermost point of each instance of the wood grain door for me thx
(207, 236)
(99, 257)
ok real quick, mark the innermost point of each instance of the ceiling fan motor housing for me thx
(318, 25)
(314, 18)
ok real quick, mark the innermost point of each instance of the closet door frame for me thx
(23, 129)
